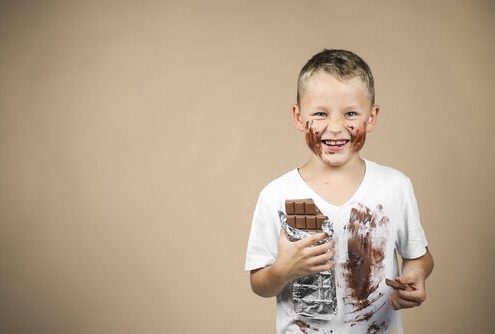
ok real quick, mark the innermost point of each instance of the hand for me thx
(415, 292)
(302, 257)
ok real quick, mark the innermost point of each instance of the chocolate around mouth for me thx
(315, 142)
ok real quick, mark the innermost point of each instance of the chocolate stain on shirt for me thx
(304, 327)
(367, 316)
(375, 328)
(364, 257)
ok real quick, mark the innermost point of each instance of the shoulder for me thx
(280, 184)
(389, 175)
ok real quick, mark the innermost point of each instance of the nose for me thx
(335, 125)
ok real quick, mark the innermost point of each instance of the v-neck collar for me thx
(357, 194)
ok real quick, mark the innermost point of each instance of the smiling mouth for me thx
(335, 143)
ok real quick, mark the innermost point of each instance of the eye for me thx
(320, 114)
(351, 114)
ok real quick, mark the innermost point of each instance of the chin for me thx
(333, 160)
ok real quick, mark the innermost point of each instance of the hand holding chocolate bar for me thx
(311, 251)
(413, 294)
(302, 257)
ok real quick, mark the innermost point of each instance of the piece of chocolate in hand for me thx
(394, 284)
(303, 214)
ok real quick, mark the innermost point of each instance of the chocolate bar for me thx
(303, 214)
(394, 284)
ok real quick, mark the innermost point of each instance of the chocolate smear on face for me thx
(358, 136)
(313, 139)
(365, 256)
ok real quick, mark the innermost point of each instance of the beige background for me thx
(134, 138)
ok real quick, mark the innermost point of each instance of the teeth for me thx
(335, 142)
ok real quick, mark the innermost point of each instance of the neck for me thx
(316, 167)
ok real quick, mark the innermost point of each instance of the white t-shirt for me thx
(381, 218)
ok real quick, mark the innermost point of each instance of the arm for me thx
(295, 259)
(266, 282)
(423, 265)
(414, 274)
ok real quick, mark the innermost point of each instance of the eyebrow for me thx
(321, 108)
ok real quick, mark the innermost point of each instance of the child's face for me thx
(335, 116)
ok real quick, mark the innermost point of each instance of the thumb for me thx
(283, 237)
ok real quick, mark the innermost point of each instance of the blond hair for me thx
(342, 64)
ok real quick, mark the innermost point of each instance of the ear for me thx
(296, 114)
(370, 125)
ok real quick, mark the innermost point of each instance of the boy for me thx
(372, 208)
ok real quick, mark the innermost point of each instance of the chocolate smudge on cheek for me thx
(358, 136)
(313, 138)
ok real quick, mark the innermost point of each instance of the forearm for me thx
(423, 264)
(267, 282)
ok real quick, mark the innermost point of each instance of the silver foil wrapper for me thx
(314, 296)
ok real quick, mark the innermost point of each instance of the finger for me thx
(311, 240)
(321, 249)
(323, 267)
(320, 259)
(402, 303)
(413, 296)
(392, 303)
(283, 235)
(410, 278)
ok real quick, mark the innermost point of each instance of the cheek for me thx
(358, 135)
(313, 138)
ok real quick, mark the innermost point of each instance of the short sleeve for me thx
(262, 247)
(411, 241)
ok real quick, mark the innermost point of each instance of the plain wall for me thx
(135, 137)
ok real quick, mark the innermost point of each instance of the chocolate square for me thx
(310, 208)
(301, 222)
(311, 222)
(299, 207)
(291, 220)
(289, 208)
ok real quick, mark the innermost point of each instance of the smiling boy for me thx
(372, 207)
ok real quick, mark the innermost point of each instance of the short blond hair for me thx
(342, 64)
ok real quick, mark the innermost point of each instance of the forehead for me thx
(324, 88)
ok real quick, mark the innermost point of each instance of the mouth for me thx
(334, 146)
(336, 142)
